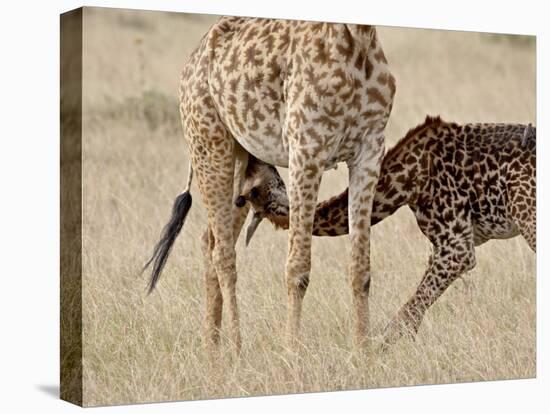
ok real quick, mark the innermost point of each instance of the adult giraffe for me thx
(302, 95)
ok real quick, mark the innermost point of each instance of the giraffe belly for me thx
(274, 152)
(278, 154)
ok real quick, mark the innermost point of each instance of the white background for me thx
(29, 206)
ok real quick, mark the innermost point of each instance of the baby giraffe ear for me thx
(256, 219)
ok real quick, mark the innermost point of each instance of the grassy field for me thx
(140, 348)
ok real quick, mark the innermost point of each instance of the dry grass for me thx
(139, 348)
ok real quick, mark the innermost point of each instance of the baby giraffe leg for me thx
(522, 207)
(448, 262)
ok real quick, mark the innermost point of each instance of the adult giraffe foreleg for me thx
(363, 176)
(305, 172)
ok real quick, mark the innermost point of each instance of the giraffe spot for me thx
(374, 96)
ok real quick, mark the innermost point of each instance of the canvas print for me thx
(255, 206)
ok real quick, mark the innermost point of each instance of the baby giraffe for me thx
(466, 184)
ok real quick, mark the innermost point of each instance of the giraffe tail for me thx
(181, 207)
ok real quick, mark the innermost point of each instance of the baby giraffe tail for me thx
(181, 207)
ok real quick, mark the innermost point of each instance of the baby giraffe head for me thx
(265, 190)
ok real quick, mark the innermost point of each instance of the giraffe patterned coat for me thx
(466, 184)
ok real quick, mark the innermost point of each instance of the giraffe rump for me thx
(181, 207)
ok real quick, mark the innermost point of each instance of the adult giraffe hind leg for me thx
(215, 182)
(239, 213)
(213, 294)
(363, 176)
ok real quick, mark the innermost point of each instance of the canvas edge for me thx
(71, 382)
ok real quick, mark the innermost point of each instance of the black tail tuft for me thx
(182, 204)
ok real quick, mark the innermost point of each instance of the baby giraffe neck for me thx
(396, 187)
(403, 169)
